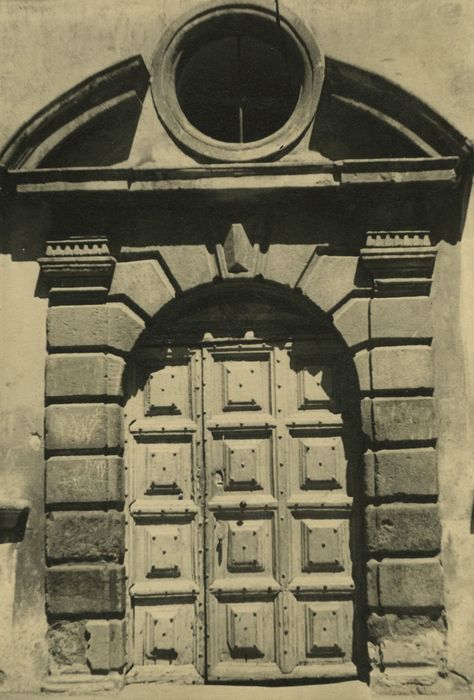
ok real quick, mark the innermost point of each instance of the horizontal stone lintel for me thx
(407, 472)
(405, 584)
(85, 589)
(86, 426)
(84, 374)
(82, 480)
(390, 171)
(402, 528)
(85, 536)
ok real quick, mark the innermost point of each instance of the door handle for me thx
(219, 546)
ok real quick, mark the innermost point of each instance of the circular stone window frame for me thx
(182, 34)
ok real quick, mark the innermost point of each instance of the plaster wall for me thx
(23, 354)
(454, 365)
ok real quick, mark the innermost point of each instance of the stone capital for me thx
(400, 263)
(79, 267)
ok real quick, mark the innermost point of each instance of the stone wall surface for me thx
(70, 41)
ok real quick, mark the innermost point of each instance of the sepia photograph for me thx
(237, 349)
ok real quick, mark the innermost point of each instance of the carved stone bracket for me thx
(399, 262)
(78, 266)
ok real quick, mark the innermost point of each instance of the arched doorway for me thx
(133, 216)
(242, 451)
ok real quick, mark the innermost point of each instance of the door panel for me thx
(241, 557)
(318, 510)
(242, 506)
(166, 541)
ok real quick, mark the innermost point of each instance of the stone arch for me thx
(274, 312)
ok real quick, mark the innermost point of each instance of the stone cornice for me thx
(234, 177)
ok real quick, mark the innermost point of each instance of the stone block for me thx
(84, 374)
(329, 279)
(85, 589)
(106, 647)
(366, 417)
(404, 419)
(401, 367)
(85, 536)
(420, 650)
(67, 646)
(83, 426)
(403, 317)
(83, 684)
(401, 472)
(403, 626)
(362, 365)
(403, 527)
(111, 325)
(411, 681)
(190, 264)
(286, 260)
(352, 321)
(88, 479)
(144, 283)
(405, 584)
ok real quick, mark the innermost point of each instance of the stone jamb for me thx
(405, 576)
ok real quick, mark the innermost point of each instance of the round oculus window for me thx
(237, 82)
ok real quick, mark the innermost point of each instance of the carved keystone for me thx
(238, 250)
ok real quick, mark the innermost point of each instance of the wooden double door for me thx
(239, 561)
